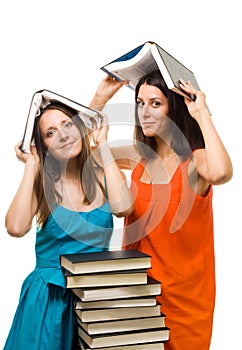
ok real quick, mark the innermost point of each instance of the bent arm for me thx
(107, 88)
(120, 198)
(19, 217)
(213, 163)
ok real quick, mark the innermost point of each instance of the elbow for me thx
(16, 231)
(222, 177)
(120, 211)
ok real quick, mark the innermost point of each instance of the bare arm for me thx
(105, 91)
(19, 217)
(119, 196)
(213, 163)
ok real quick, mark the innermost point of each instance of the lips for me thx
(147, 124)
(67, 145)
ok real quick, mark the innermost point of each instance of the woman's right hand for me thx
(30, 158)
(105, 91)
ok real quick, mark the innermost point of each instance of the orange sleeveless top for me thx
(175, 227)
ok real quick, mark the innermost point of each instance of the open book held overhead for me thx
(147, 58)
(42, 99)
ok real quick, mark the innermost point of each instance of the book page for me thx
(132, 70)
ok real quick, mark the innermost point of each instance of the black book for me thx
(105, 261)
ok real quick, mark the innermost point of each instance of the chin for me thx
(149, 133)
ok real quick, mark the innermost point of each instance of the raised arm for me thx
(213, 164)
(119, 196)
(105, 91)
(19, 217)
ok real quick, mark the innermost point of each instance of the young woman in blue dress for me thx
(73, 199)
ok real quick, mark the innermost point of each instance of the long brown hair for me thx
(186, 132)
(49, 173)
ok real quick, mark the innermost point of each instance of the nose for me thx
(145, 111)
(62, 134)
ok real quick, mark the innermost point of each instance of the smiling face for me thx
(152, 110)
(60, 135)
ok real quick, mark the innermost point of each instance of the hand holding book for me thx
(108, 87)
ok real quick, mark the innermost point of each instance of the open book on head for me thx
(42, 99)
(146, 58)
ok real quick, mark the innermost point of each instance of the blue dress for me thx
(44, 319)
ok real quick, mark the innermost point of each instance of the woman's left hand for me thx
(194, 107)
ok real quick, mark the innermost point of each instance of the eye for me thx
(140, 103)
(51, 133)
(156, 103)
(68, 124)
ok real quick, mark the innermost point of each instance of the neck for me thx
(70, 170)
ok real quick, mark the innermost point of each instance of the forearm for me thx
(21, 212)
(98, 102)
(119, 196)
(105, 91)
(218, 163)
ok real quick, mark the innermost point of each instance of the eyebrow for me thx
(54, 127)
(151, 99)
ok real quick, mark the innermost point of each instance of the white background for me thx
(60, 45)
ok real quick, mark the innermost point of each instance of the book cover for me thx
(43, 98)
(122, 338)
(117, 313)
(148, 346)
(103, 304)
(120, 278)
(105, 261)
(152, 287)
(146, 58)
(122, 325)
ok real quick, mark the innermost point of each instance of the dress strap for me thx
(105, 187)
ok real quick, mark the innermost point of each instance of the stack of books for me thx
(115, 300)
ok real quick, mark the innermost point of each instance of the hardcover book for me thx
(117, 313)
(103, 304)
(124, 338)
(120, 278)
(153, 287)
(146, 58)
(122, 325)
(105, 261)
(148, 346)
(43, 98)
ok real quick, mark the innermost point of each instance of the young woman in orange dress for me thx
(176, 159)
